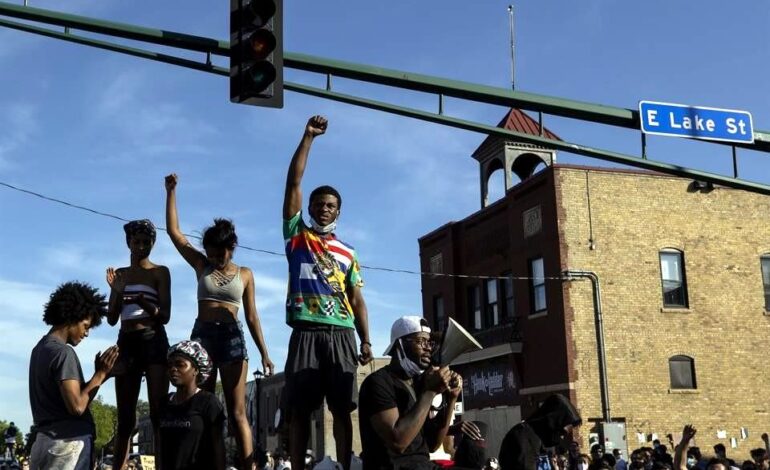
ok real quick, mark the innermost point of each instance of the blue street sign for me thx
(679, 120)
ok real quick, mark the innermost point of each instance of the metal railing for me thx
(590, 112)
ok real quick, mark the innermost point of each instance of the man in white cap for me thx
(397, 431)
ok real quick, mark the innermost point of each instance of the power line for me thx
(275, 253)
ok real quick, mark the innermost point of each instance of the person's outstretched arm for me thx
(680, 451)
(292, 200)
(194, 258)
(252, 320)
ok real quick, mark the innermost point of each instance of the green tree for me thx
(142, 408)
(106, 420)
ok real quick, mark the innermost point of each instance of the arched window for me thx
(765, 263)
(681, 369)
(495, 181)
(673, 278)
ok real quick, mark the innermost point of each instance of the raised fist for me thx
(316, 126)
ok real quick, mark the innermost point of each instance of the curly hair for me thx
(220, 235)
(73, 302)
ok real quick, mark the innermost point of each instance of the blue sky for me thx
(101, 130)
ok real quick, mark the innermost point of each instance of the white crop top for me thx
(132, 311)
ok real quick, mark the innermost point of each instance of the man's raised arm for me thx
(680, 451)
(292, 201)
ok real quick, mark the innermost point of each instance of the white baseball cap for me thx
(405, 326)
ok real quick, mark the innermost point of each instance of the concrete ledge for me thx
(684, 391)
(676, 310)
(547, 388)
(537, 315)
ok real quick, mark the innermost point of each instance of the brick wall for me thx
(725, 329)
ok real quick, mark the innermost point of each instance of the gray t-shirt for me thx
(51, 362)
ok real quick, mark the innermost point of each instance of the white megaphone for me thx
(456, 341)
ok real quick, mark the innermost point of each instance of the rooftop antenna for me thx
(513, 55)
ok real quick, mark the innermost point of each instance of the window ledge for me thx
(766, 313)
(545, 313)
(679, 309)
(683, 391)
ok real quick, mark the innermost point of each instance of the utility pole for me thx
(513, 54)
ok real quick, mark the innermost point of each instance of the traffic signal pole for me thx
(608, 115)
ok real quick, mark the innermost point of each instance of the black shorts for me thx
(141, 348)
(224, 341)
(322, 363)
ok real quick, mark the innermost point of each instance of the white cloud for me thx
(22, 302)
(142, 123)
(18, 123)
(121, 92)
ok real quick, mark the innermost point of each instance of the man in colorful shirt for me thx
(324, 307)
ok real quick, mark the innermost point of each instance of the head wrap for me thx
(193, 351)
(135, 227)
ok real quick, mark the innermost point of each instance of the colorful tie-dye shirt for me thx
(320, 271)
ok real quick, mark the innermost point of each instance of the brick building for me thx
(684, 272)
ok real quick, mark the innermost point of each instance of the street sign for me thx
(679, 120)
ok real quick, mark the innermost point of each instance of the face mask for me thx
(411, 368)
(691, 462)
(582, 466)
(323, 229)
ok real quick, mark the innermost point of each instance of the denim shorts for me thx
(223, 341)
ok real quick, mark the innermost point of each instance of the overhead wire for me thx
(275, 253)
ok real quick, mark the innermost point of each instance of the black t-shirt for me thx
(520, 448)
(186, 432)
(379, 392)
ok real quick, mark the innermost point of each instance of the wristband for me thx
(366, 342)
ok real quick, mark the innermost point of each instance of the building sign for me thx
(533, 221)
(147, 461)
(488, 383)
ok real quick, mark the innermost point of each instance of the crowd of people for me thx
(405, 408)
(685, 457)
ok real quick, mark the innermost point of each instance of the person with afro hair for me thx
(58, 393)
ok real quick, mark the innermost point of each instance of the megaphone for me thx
(456, 341)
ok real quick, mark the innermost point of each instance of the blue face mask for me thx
(411, 368)
(691, 462)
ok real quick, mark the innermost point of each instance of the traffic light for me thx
(256, 52)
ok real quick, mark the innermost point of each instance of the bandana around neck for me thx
(411, 368)
(323, 229)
